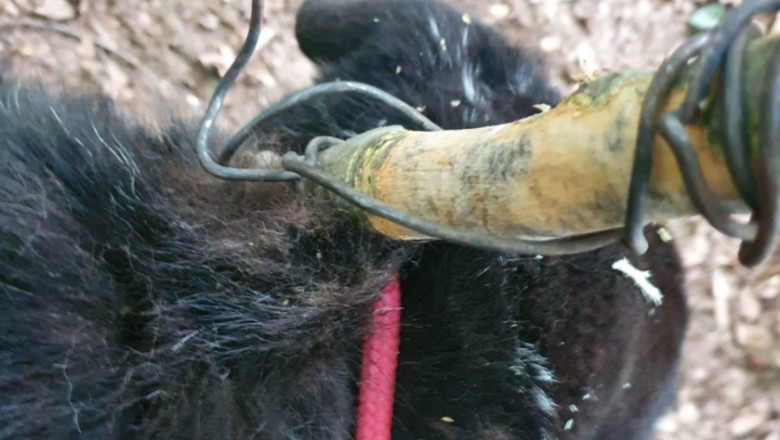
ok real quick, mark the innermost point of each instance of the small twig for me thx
(69, 33)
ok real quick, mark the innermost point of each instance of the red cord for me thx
(380, 359)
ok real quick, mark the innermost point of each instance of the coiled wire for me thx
(720, 50)
(296, 167)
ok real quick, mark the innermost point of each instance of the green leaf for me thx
(706, 17)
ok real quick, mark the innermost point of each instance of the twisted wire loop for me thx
(720, 51)
(220, 167)
(296, 167)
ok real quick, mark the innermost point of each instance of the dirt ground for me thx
(144, 53)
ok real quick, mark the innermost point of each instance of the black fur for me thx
(141, 298)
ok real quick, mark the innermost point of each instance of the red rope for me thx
(380, 358)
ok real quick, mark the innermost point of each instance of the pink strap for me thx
(380, 359)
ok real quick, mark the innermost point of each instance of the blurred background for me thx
(163, 57)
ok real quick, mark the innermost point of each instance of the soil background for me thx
(163, 57)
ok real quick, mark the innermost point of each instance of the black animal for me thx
(142, 298)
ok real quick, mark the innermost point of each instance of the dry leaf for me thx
(117, 80)
(56, 10)
(9, 9)
(722, 290)
(209, 21)
(499, 10)
(221, 59)
(750, 418)
(749, 305)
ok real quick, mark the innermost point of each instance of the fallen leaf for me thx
(750, 418)
(56, 10)
(221, 59)
(499, 10)
(209, 21)
(9, 9)
(706, 17)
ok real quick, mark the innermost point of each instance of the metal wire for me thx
(318, 91)
(723, 49)
(768, 173)
(643, 156)
(562, 246)
(308, 169)
(220, 168)
(295, 167)
(719, 51)
(202, 141)
(733, 120)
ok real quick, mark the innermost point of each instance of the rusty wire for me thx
(718, 51)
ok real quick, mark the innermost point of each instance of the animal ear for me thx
(328, 30)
